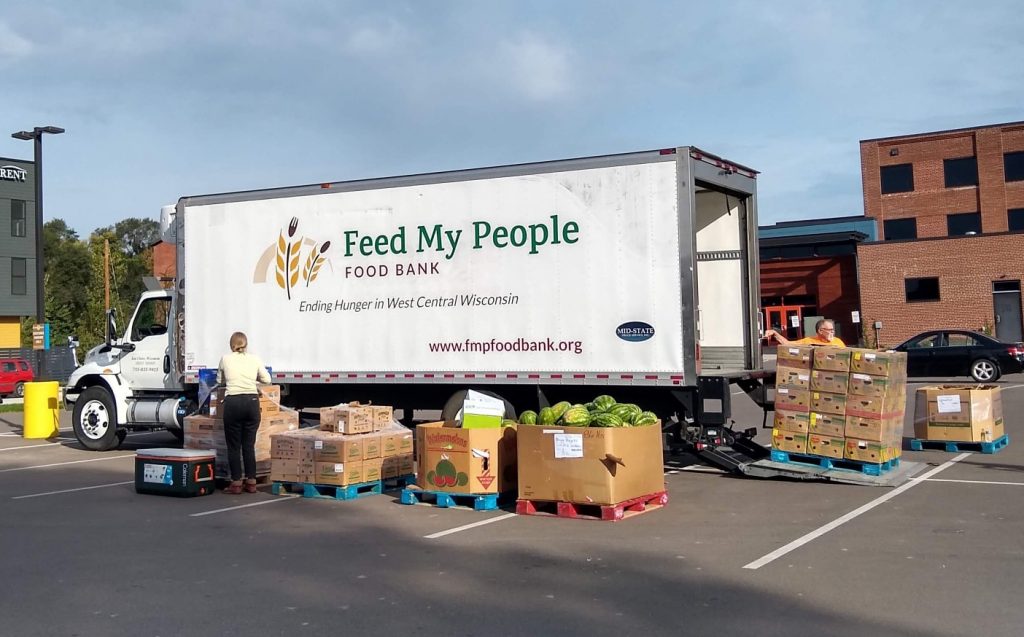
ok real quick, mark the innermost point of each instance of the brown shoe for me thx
(250, 486)
(234, 488)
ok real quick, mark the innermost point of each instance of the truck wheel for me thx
(19, 390)
(95, 420)
(454, 404)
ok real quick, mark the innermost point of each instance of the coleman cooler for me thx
(177, 472)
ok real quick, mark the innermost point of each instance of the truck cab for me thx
(129, 382)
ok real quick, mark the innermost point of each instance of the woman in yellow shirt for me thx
(239, 372)
(824, 334)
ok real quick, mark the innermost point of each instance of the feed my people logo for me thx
(293, 263)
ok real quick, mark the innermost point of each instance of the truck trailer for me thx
(630, 274)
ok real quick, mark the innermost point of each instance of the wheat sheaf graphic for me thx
(287, 270)
(314, 261)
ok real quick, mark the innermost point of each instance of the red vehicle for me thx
(14, 373)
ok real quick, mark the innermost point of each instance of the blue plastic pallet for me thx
(867, 468)
(329, 491)
(444, 500)
(917, 444)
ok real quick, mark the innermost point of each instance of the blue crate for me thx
(866, 468)
(444, 500)
(917, 444)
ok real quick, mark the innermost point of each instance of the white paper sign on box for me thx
(568, 445)
(948, 404)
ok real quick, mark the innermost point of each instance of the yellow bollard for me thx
(42, 410)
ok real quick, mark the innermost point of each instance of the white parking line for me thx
(280, 498)
(51, 445)
(464, 527)
(795, 544)
(60, 464)
(1011, 484)
(98, 486)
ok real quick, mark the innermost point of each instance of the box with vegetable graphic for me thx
(972, 413)
(460, 460)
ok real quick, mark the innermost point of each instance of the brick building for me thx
(809, 271)
(950, 212)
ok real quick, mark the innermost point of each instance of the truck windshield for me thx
(151, 319)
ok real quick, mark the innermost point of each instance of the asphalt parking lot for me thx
(83, 554)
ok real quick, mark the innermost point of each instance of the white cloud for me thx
(539, 69)
(12, 45)
(376, 39)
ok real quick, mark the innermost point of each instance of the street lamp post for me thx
(36, 135)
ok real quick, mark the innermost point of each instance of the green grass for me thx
(12, 407)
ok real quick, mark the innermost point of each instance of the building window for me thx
(922, 290)
(1015, 219)
(17, 218)
(899, 229)
(898, 178)
(960, 172)
(19, 283)
(1013, 166)
(963, 223)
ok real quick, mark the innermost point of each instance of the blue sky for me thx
(173, 98)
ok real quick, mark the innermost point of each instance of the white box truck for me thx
(631, 274)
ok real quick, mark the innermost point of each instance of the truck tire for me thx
(454, 404)
(95, 420)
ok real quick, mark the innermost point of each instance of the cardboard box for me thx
(794, 421)
(789, 441)
(352, 418)
(406, 464)
(800, 356)
(292, 470)
(589, 465)
(792, 377)
(867, 406)
(333, 447)
(289, 446)
(270, 392)
(383, 416)
(832, 425)
(389, 467)
(338, 473)
(959, 413)
(836, 359)
(787, 399)
(867, 429)
(373, 469)
(876, 386)
(830, 381)
(371, 446)
(878, 363)
(868, 451)
(270, 400)
(827, 446)
(201, 423)
(826, 403)
(461, 460)
(395, 440)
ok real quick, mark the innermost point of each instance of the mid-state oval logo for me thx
(634, 331)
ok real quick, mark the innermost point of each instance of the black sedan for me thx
(961, 353)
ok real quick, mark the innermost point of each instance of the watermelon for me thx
(626, 411)
(576, 417)
(590, 406)
(603, 402)
(528, 417)
(560, 408)
(645, 418)
(606, 419)
(508, 422)
(546, 416)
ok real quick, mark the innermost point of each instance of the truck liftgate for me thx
(709, 437)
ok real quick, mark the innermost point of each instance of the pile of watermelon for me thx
(603, 411)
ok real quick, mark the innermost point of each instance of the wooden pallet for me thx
(607, 512)
(445, 500)
(917, 444)
(867, 468)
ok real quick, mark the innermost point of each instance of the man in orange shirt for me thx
(825, 334)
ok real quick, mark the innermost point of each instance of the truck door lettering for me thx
(439, 236)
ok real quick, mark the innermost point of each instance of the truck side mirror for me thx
(111, 326)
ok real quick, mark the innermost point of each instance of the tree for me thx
(66, 276)
(134, 236)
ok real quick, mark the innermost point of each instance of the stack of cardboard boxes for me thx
(840, 403)
(355, 444)
(206, 431)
